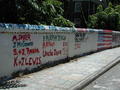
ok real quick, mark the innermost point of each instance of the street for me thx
(108, 81)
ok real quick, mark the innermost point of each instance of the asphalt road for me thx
(108, 81)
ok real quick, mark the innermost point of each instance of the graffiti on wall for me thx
(23, 40)
(50, 45)
(52, 52)
(25, 51)
(80, 37)
(23, 48)
(26, 54)
(54, 37)
(26, 61)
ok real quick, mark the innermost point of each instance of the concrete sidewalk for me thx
(69, 76)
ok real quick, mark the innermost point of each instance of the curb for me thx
(82, 84)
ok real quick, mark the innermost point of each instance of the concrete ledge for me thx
(95, 75)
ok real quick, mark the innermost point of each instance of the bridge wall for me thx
(27, 47)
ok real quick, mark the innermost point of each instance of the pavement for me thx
(73, 75)
(108, 81)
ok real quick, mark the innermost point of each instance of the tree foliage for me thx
(61, 21)
(115, 2)
(35, 12)
(108, 18)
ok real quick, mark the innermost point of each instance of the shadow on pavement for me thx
(12, 84)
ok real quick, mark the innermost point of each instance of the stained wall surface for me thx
(30, 46)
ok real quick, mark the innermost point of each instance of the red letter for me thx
(15, 61)
(15, 52)
(14, 38)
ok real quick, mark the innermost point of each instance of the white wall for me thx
(24, 48)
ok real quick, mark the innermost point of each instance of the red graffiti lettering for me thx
(19, 52)
(48, 44)
(15, 52)
(25, 51)
(15, 61)
(27, 61)
(32, 51)
(23, 37)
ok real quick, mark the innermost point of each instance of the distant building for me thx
(78, 10)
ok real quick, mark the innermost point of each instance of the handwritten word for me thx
(26, 61)
(54, 38)
(25, 51)
(21, 37)
(22, 44)
(32, 51)
(52, 53)
(48, 44)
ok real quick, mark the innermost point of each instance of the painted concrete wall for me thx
(30, 46)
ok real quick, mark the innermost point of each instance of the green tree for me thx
(109, 18)
(34, 12)
(61, 21)
(114, 2)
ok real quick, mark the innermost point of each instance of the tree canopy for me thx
(114, 2)
(108, 18)
(48, 12)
